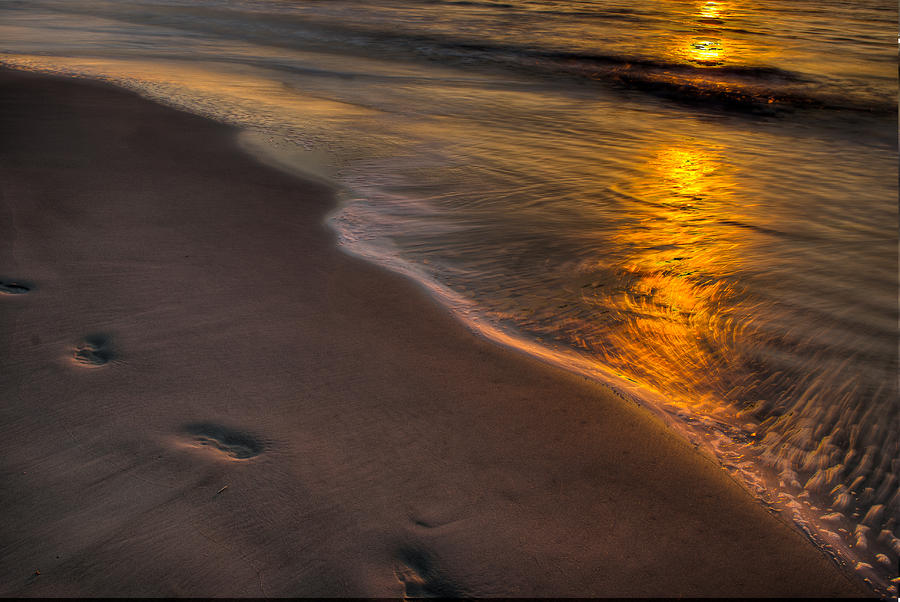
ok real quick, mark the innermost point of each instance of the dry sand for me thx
(202, 396)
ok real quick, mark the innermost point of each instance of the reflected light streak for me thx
(711, 10)
(675, 304)
(706, 50)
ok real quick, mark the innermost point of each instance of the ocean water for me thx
(692, 202)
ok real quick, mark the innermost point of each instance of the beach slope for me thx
(202, 396)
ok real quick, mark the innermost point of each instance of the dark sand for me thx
(190, 325)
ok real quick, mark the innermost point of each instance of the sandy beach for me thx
(203, 396)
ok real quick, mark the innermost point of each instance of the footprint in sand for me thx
(415, 571)
(93, 352)
(8, 287)
(233, 444)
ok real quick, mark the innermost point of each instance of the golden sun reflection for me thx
(705, 50)
(682, 194)
(711, 34)
(674, 298)
(711, 10)
(704, 46)
(684, 169)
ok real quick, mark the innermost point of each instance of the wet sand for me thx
(202, 396)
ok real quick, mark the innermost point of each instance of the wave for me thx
(701, 79)
(732, 86)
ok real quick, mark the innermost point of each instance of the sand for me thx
(203, 396)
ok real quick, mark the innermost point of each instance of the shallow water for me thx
(694, 202)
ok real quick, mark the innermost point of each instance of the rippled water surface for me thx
(694, 202)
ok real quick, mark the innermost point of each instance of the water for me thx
(693, 202)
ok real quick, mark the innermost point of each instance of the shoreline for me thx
(192, 325)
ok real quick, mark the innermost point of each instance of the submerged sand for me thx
(202, 396)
